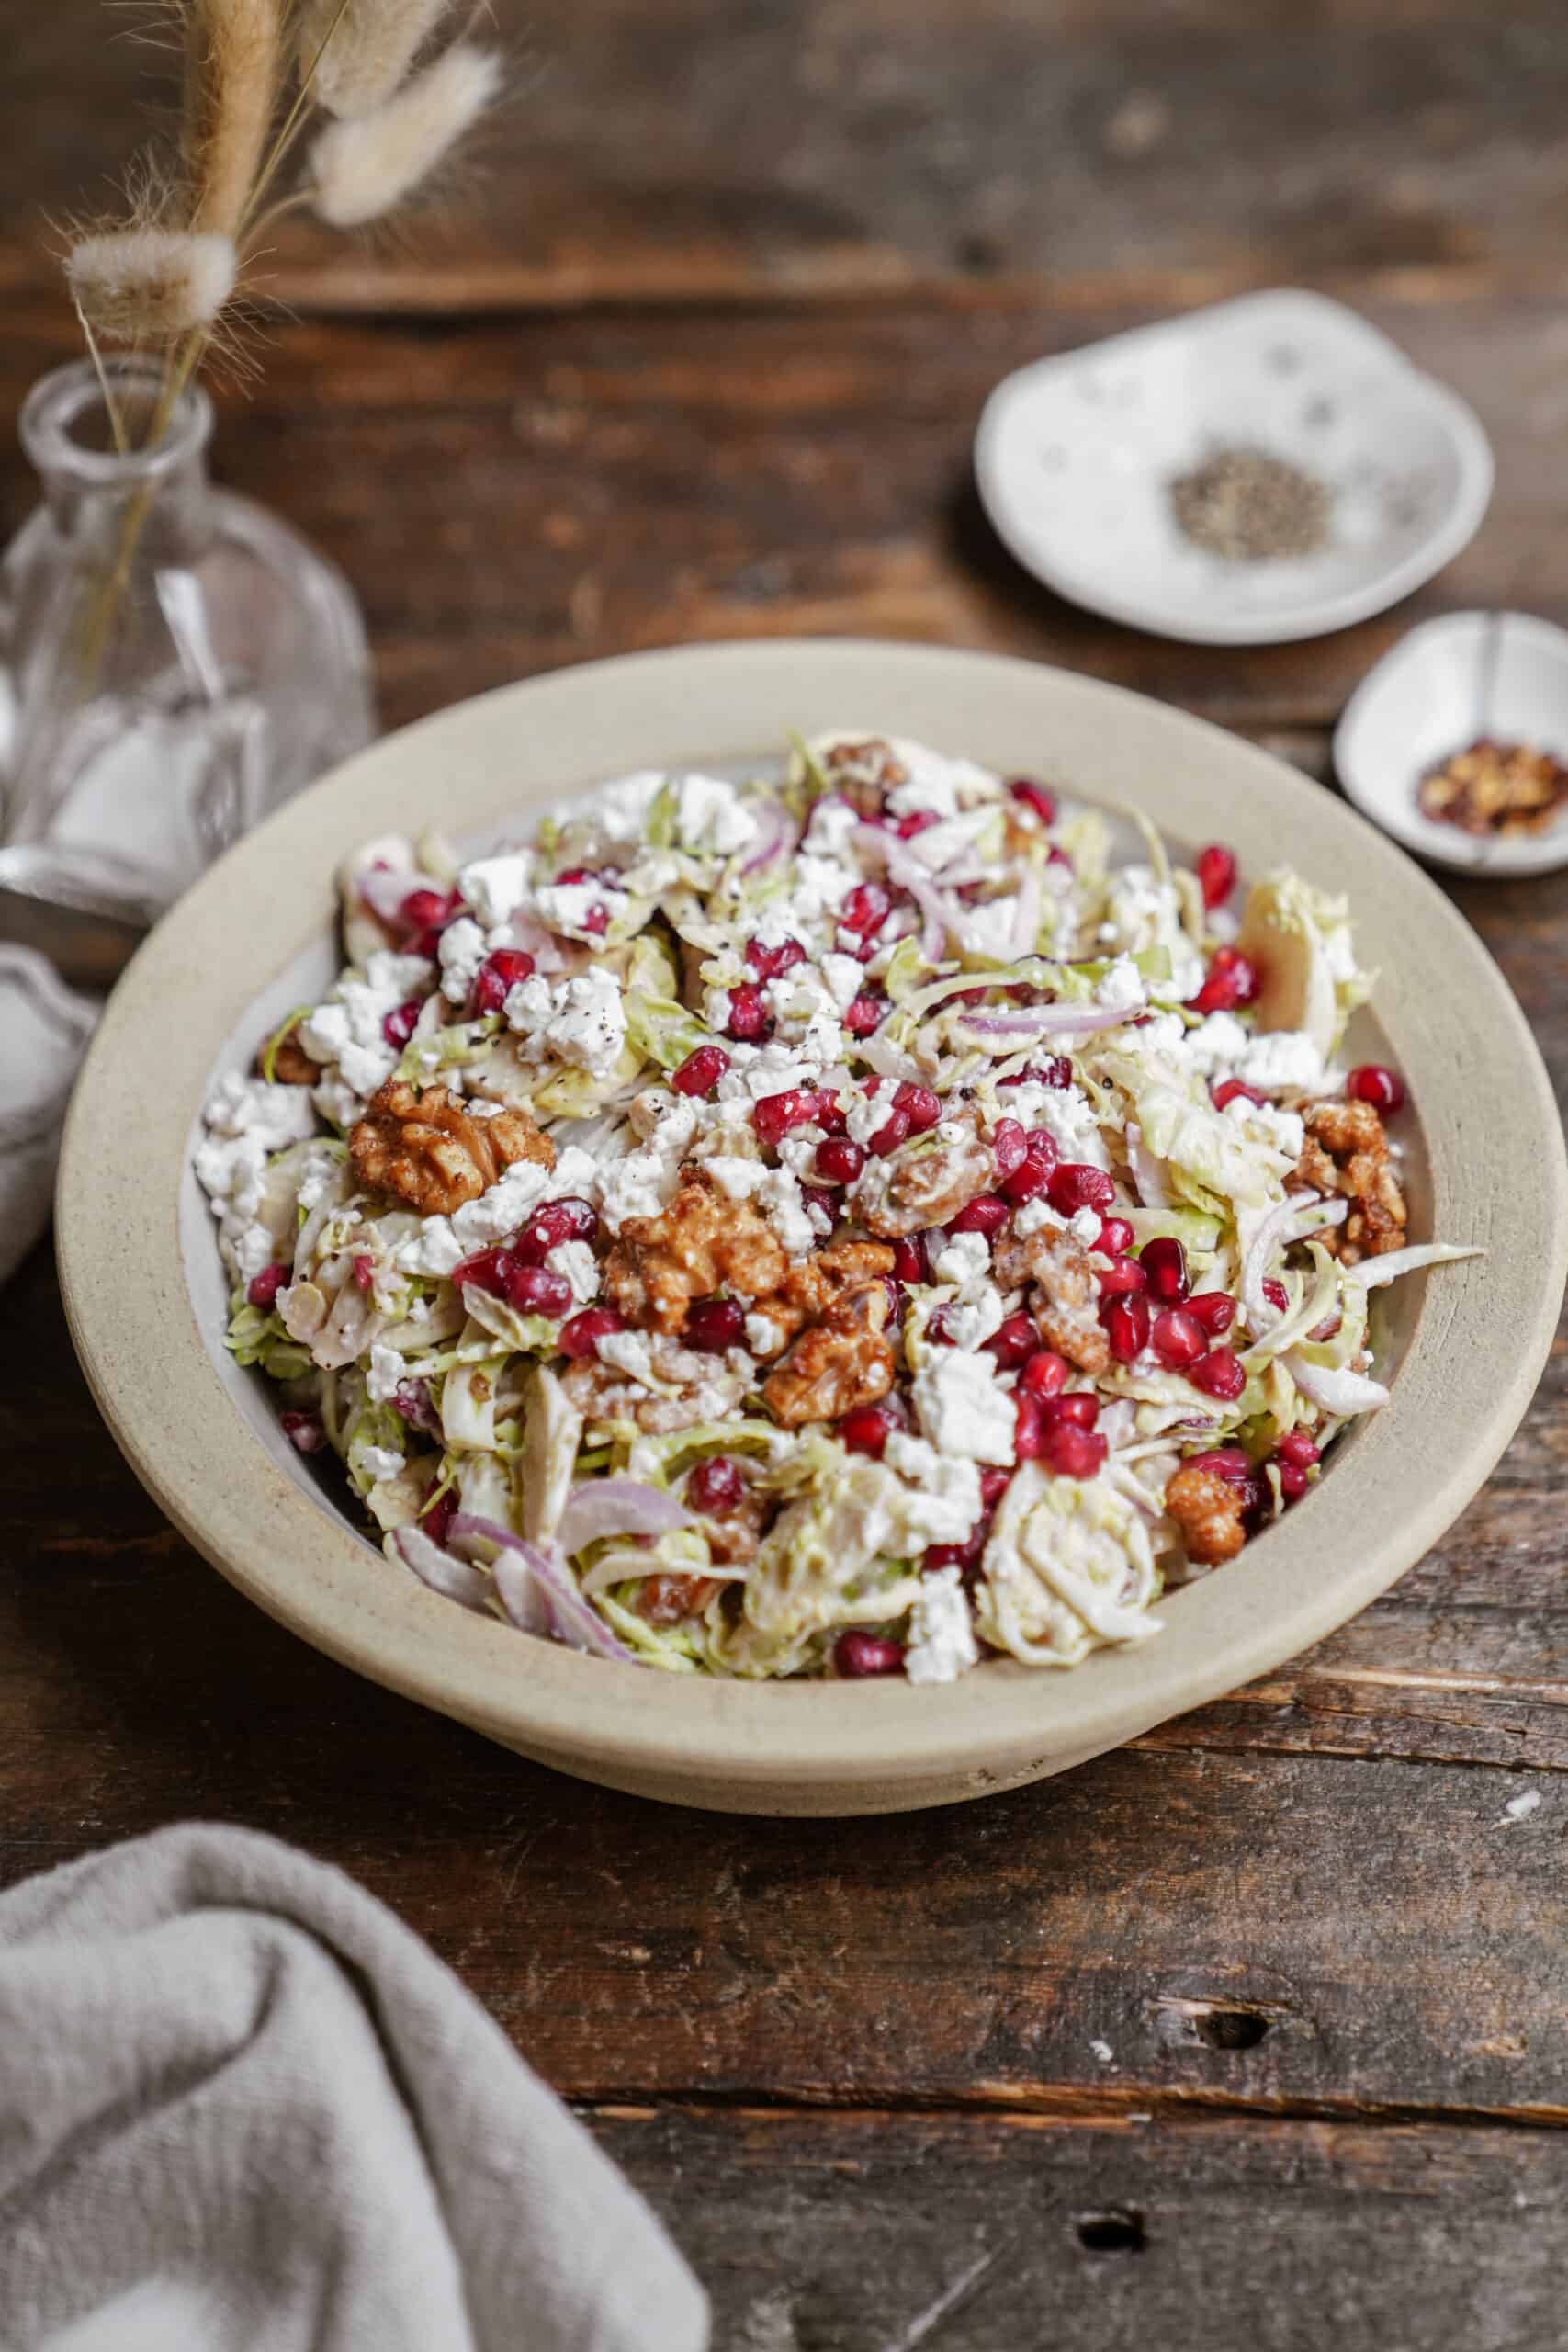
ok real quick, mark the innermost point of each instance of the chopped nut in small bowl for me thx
(1456, 744)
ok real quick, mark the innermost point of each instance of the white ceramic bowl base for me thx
(1075, 455)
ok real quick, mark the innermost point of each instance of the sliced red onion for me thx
(1334, 1387)
(457, 1580)
(530, 934)
(617, 1507)
(1047, 1020)
(1374, 1272)
(543, 1597)
(1026, 916)
(887, 1061)
(775, 833)
(1289, 1221)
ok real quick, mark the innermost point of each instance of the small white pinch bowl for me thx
(1074, 456)
(1450, 680)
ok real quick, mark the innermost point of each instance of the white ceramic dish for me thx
(1448, 681)
(1074, 455)
(145, 1294)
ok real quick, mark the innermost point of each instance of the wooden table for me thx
(1254, 2034)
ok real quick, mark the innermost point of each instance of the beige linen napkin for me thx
(243, 2108)
(44, 1027)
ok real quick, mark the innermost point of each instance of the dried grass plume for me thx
(150, 285)
(361, 169)
(361, 50)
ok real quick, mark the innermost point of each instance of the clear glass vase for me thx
(174, 662)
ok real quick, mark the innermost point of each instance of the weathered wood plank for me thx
(879, 2233)
(1328, 1930)
(815, 146)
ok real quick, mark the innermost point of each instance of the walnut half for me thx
(1208, 1510)
(432, 1152)
(1346, 1152)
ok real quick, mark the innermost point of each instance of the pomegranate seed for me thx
(397, 1027)
(840, 1159)
(867, 1428)
(953, 1556)
(1212, 1310)
(1274, 1291)
(428, 910)
(411, 1399)
(826, 1111)
(772, 962)
(1216, 874)
(1029, 1426)
(864, 1013)
(1115, 1236)
(1178, 1339)
(304, 1431)
(815, 1197)
(939, 1328)
(1292, 1482)
(436, 1517)
(1074, 1185)
(1122, 1276)
(1009, 1148)
(923, 1105)
(578, 1336)
(986, 1213)
(1233, 1089)
(1219, 1374)
(894, 1131)
(427, 944)
(263, 1288)
(866, 910)
(1127, 1326)
(1164, 1261)
(486, 1270)
(1013, 1342)
(894, 1300)
(364, 1269)
(1033, 796)
(1231, 981)
(775, 1115)
(1231, 1463)
(713, 1323)
(1079, 1406)
(1046, 1373)
(574, 873)
(715, 1486)
(701, 1070)
(1370, 1082)
(920, 821)
(1299, 1450)
(571, 1219)
(857, 1655)
(910, 1262)
(993, 1484)
(747, 1013)
(1056, 1073)
(533, 1290)
(1027, 1181)
(499, 974)
(1042, 1145)
(1072, 1453)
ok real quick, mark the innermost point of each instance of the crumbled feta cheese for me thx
(1217, 1043)
(252, 1251)
(462, 951)
(621, 809)
(960, 1408)
(581, 1021)
(566, 906)
(379, 1462)
(385, 1376)
(637, 1185)
(1121, 988)
(964, 1258)
(1037, 1213)
(739, 1178)
(575, 1175)
(1083, 1226)
(949, 1487)
(868, 1116)
(832, 823)
(1281, 1061)
(1284, 1128)
(710, 816)
(763, 1336)
(970, 1320)
(779, 1199)
(498, 1212)
(818, 885)
(844, 977)
(496, 886)
(575, 1263)
(628, 1352)
(434, 1249)
(347, 1028)
(941, 1644)
(271, 1115)
(1068, 1118)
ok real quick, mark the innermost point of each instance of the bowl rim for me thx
(1314, 616)
(1471, 1364)
(1378, 797)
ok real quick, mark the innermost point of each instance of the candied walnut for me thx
(733, 1539)
(431, 1150)
(291, 1065)
(701, 1243)
(693, 1388)
(668, 1597)
(1208, 1510)
(839, 1362)
(924, 1185)
(1345, 1153)
(1065, 1300)
(812, 1287)
(863, 771)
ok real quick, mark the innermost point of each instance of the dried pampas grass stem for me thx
(362, 169)
(233, 60)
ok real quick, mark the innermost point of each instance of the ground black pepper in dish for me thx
(1248, 507)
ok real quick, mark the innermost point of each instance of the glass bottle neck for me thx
(91, 484)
